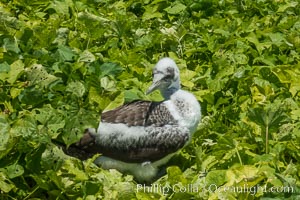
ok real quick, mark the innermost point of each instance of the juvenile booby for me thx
(140, 136)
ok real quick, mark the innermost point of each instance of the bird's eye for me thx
(167, 77)
(170, 73)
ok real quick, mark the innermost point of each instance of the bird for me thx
(139, 137)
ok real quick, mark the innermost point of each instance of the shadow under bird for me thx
(139, 137)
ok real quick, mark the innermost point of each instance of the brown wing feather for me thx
(132, 114)
(140, 113)
(159, 115)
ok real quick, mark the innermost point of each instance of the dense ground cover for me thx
(63, 62)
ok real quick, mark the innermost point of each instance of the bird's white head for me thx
(166, 77)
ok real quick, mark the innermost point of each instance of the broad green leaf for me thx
(42, 181)
(270, 117)
(186, 76)
(14, 170)
(51, 120)
(175, 175)
(94, 95)
(10, 44)
(108, 84)
(87, 56)
(91, 188)
(57, 180)
(76, 88)
(77, 119)
(295, 114)
(264, 86)
(52, 159)
(151, 12)
(38, 75)
(258, 116)
(125, 190)
(216, 84)
(7, 141)
(215, 177)
(259, 46)
(91, 17)
(239, 73)
(6, 184)
(264, 60)
(62, 36)
(31, 96)
(241, 175)
(118, 101)
(282, 8)
(4, 67)
(25, 127)
(14, 92)
(74, 170)
(13, 73)
(59, 7)
(258, 95)
(225, 72)
(275, 117)
(222, 32)
(241, 59)
(267, 171)
(33, 159)
(110, 69)
(208, 163)
(176, 8)
(65, 53)
(278, 39)
(131, 95)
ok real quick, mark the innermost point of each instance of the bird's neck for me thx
(169, 92)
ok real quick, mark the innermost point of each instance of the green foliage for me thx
(63, 62)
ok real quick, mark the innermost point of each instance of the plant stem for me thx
(33, 191)
(238, 154)
(267, 139)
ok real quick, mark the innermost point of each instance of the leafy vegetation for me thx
(63, 62)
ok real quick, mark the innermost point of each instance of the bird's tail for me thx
(83, 149)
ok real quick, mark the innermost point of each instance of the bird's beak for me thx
(153, 87)
(157, 82)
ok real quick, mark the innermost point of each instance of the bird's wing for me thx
(161, 133)
(140, 113)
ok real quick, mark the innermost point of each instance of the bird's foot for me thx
(146, 163)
